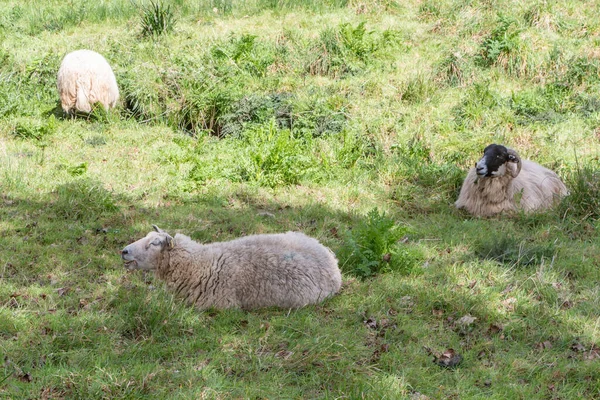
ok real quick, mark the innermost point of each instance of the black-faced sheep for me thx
(85, 78)
(501, 181)
(287, 270)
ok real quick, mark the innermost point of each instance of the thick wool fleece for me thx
(85, 78)
(535, 188)
(283, 270)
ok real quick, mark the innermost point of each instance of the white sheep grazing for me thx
(501, 181)
(287, 270)
(85, 78)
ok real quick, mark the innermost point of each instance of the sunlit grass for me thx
(268, 116)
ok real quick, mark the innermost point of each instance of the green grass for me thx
(351, 121)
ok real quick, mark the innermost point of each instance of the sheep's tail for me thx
(83, 102)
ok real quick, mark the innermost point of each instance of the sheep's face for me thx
(494, 161)
(146, 253)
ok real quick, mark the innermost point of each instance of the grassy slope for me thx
(387, 118)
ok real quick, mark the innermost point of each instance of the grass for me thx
(351, 121)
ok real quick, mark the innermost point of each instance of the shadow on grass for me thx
(60, 259)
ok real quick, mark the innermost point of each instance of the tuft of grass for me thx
(418, 89)
(372, 247)
(82, 198)
(274, 157)
(514, 251)
(32, 129)
(453, 70)
(504, 47)
(583, 201)
(156, 19)
(348, 49)
(477, 105)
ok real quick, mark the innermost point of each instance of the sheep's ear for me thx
(157, 229)
(513, 156)
(170, 241)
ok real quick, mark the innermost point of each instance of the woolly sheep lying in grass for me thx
(501, 181)
(287, 270)
(85, 78)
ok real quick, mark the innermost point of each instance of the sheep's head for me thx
(497, 161)
(146, 253)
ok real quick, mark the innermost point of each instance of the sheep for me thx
(286, 270)
(501, 181)
(85, 78)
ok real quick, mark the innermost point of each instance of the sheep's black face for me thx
(493, 162)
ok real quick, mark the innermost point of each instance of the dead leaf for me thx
(285, 354)
(507, 289)
(593, 353)
(472, 284)
(578, 347)
(13, 303)
(448, 359)
(566, 304)
(437, 313)
(384, 323)
(509, 304)
(63, 291)
(202, 365)
(466, 320)
(25, 377)
(495, 328)
(371, 323)
(544, 345)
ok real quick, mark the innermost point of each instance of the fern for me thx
(373, 247)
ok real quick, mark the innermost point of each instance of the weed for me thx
(347, 49)
(274, 157)
(430, 9)
(318, 115)
(204, 106)
(156, 19)
(417, 89)
(82, 199)
(417, 176)
(372, 247)
(582, 70)
(513, 251)
(30, 129)
(257, 109)
(541, 15)
(504, 47)
(479, 101)
(583, 201)
(453, 70)
(245, 52)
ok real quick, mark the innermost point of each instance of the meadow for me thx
(351, 121)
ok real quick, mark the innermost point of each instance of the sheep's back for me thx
(537, 187)
(85, 78)
(284, 270)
